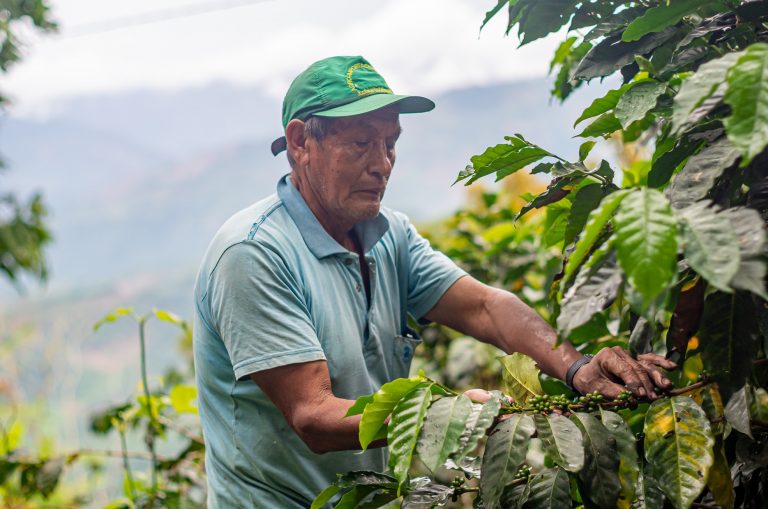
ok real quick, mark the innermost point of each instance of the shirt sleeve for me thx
(259, 310)
(430, 274)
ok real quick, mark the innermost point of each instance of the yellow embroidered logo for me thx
(366, 91)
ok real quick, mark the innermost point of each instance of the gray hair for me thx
(314, 127)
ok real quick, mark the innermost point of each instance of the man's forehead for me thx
(388, 120)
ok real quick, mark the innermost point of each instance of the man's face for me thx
(349, 169)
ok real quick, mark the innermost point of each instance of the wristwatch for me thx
(578, 363)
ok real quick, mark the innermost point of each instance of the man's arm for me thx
(503, 320)
(303, 394)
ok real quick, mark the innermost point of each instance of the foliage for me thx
(23, 232)
(166, 414)
(671, 261)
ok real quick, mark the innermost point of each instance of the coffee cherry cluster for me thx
(524, 472)
(591, 401)
(541, 403)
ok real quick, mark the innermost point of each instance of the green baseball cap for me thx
(342, 87)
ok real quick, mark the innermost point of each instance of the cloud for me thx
(425, 46)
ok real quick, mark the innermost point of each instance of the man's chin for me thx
(367, 212)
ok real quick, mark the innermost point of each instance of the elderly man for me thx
(302, 298)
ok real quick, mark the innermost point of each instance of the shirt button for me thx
(358, 287)
(348, 261)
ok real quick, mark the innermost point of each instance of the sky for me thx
(420, 46)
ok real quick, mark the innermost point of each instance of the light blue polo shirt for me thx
(275, 289)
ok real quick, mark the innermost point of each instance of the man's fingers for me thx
(657, 376)
(617, 362)
(478, 395)
(657, 360)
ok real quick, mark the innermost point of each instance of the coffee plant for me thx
(670, 261)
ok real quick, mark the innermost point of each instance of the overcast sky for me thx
(420, 46)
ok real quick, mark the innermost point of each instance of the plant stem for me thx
(181, 430)
(689, 388)
(126, 463)
(153, 424)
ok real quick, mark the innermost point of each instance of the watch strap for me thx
(578, 364)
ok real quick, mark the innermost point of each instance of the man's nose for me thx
(382, 159)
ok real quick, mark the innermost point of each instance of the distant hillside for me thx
(138, 183)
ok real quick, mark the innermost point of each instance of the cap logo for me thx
(363, 91)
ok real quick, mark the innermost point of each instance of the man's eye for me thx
(362, 144)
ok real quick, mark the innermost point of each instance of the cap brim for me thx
(406, 104)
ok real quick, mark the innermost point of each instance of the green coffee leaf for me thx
(490, 14)
(477, 425)
(503, 159)
(697, 177)
(562, 52)
(699, 87)
(540, 20)
(357, 497)
(710, 245)
(584, 202)
(324, 496)
(521, 377)
(404, 428)
(747, 95)
(603, 104)
(384, 400)
(549, 489)
(646, 242)
(638, 101)
(561, 440)
(643, 336)
(430, 495)
(728, 339)
(665, 165)
(593, 290)
(719, 480)
(611, 53)
(737, 410)
(505, 452)
(648, 494)
(601, 461)
(678, 447)
(604, 125)
(749, 229)
(359, 406)
(598, 218)
(660, 17)
(443, 426)
(626, 447)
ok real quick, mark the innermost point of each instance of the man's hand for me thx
(613, 370)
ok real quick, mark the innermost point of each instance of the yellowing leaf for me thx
(678, 447)
(182, 399)
(521, 377)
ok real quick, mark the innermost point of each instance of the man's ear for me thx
(297, 141)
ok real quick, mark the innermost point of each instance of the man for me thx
(301, 302)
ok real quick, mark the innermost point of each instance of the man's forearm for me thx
(324, 428)
(513, 326)
(500, 318)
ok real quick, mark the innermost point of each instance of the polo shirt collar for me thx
(318, 241)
